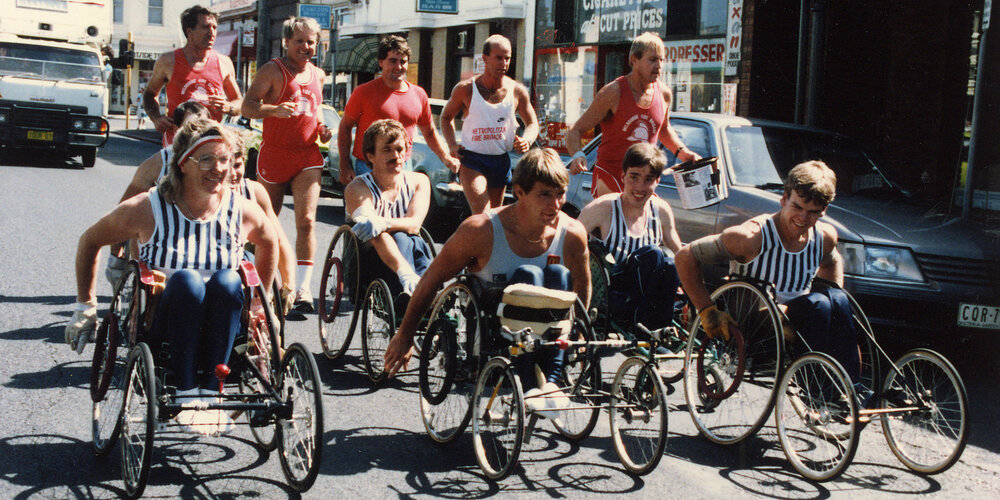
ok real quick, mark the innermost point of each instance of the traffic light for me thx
(126, 53)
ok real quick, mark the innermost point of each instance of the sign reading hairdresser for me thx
(702, 54)
(604, 21)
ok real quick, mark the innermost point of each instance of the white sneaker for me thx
(555, 401)
(535, 402)
(303, 301)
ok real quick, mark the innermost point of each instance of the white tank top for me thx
(503, 261)
(204, 246)
(489, 128)
(791, 273)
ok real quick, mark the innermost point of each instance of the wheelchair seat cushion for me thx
(545, 310)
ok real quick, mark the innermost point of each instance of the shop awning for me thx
(225, 41)
(358, 55)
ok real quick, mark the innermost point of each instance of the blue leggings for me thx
(825, 321)
(413, 248)
(199, 320)
(550, 361)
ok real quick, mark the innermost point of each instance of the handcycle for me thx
(920, 400)
(467, 375)
(277, 388)
(353, 287)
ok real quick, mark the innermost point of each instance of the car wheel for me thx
(88, 157)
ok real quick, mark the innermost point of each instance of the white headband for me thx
(199, 142)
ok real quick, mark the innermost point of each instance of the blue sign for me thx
(438, 6)
(321, 13)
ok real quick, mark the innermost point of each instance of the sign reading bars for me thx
(438, 6)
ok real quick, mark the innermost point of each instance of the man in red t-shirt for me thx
(388, 96)
(193, 72)
(633, 108)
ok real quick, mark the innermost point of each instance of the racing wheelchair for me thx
(277, 388)
(467, 374)
(354, 286)
(732, 384)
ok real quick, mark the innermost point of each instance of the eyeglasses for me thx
(207, 162)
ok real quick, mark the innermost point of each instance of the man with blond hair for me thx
(633, 108)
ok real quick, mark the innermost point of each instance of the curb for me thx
(136, 136)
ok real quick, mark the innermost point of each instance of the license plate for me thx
(40, 135)
(979, 316)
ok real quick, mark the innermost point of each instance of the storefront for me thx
(581, 45)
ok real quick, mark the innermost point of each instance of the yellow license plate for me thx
(40, 135)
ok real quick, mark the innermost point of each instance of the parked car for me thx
(252, 129)
(910, 269)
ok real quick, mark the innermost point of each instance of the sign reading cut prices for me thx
(438, 6)
(604, 21)
(321, 13)
(734, 32)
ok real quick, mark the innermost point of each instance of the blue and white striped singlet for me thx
(791, 273)
(384, 208)
(620, 243)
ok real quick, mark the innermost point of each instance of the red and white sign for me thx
(702, 54)
(734, 33)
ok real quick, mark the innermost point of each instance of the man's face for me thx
(498, 60)
(302, 45)
(544, 201)
(394, 66)
(650, 64)
(797, 215)
(238, 170)
(202, 36)
(390, 154)
(640, 182)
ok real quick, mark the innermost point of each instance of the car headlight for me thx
(877, 261)
(3, 117)
(78, 124)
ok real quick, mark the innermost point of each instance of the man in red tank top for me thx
(286, 93)
(194, 72)
(631, 109)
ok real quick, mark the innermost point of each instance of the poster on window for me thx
(729, 99)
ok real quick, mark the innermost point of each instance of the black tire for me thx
(600, 288)
(436, 371)
(263, 352)
(378, 324)
(638, 415)
(88, 157)
(138, 420)
(300, 439)
(498, 427)
(340, 293)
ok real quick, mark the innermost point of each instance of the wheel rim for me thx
(599, 293)
(138, 420)
(109, 372)
(339, 291)
(498, 426)
(730, 420)
(929, 440)
(816, 417)
(638, 416)
(378, 325)
(581, 381)
(261, 344)
(300, 436)
(723, 355)
(437, 362)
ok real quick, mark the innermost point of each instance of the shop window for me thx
(565, 21)
(564, 88)
(461, 56)
(714, 14)
(682, 17)
(119, 11)
(155, 15)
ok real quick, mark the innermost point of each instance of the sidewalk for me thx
(147, 134)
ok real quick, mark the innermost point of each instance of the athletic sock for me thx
(303, 274)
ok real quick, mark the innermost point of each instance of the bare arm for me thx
(597, 215)
(145, 176)
(741, 242)
(263, 235)
(577, 259)
(671, 239)
(831, 268)
(264, 89)
(162, 70)
(344, 137)
(668, 136)
(528, 116)
(430, 134)
(130, 219)
(457, 105)
(286, 252)
(231, 103)
(419, 205)
(604, 105)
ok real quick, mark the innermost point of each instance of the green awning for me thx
(358, 55)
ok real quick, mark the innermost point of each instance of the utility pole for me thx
(263, 32)
(987, 96)
(128, 81)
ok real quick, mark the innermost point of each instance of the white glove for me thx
(365, 211)
(81, 326)
(368, 228)
(115, 269)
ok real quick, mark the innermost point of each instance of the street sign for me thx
(438, 6)
(321, 13)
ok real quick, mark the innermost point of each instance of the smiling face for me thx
(206, 170)
(202, 36)
(798, 216)
(542, 202)
(301, 46)
(394, 67)
(640, 184)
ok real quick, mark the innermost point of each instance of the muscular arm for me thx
(457, 105)
(597, 215)
(263, 89)
(577, 260)
(430, 134)
(668, 136)
(831, 268)
(130, 219)
(344, 136)
(528, 116)
(604, 105)
(671, 239)
(151, 95)
(263, 235)
(286, 252)
(741, 242)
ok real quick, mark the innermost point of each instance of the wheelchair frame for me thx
(133, 397)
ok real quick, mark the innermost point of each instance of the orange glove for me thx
(715, 322)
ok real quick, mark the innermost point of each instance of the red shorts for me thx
(610, 179)
(277, 165)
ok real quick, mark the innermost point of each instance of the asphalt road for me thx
(374, 444)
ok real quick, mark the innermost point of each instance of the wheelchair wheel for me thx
(278, 307)
(731, 419)
(816, 415)
(138, 420)
(600, 285)
(340, 292)
(107, 384)
(300, 438)
(581, 381)
(719, 353)
(378, 324)
(498, 427)
(263, 353)
(446, 420)
(437, 361)
(931, 438)
(638, 415)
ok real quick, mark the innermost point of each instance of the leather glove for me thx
(368, 228)
(715, 322)
(81, 326)
(115, 269)
(287, 300)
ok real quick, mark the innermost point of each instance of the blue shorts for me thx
(496, 168)
(361, 167)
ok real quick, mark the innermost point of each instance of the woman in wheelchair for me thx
(531, 240)
(634, 225)
(787, 250)
(191, 228)
(388, 205)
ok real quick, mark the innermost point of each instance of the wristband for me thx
(678, 152)
(84, 306)
(578, 154)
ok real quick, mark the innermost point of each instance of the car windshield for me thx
(49, 63)
(330, 118)
(762, 156)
